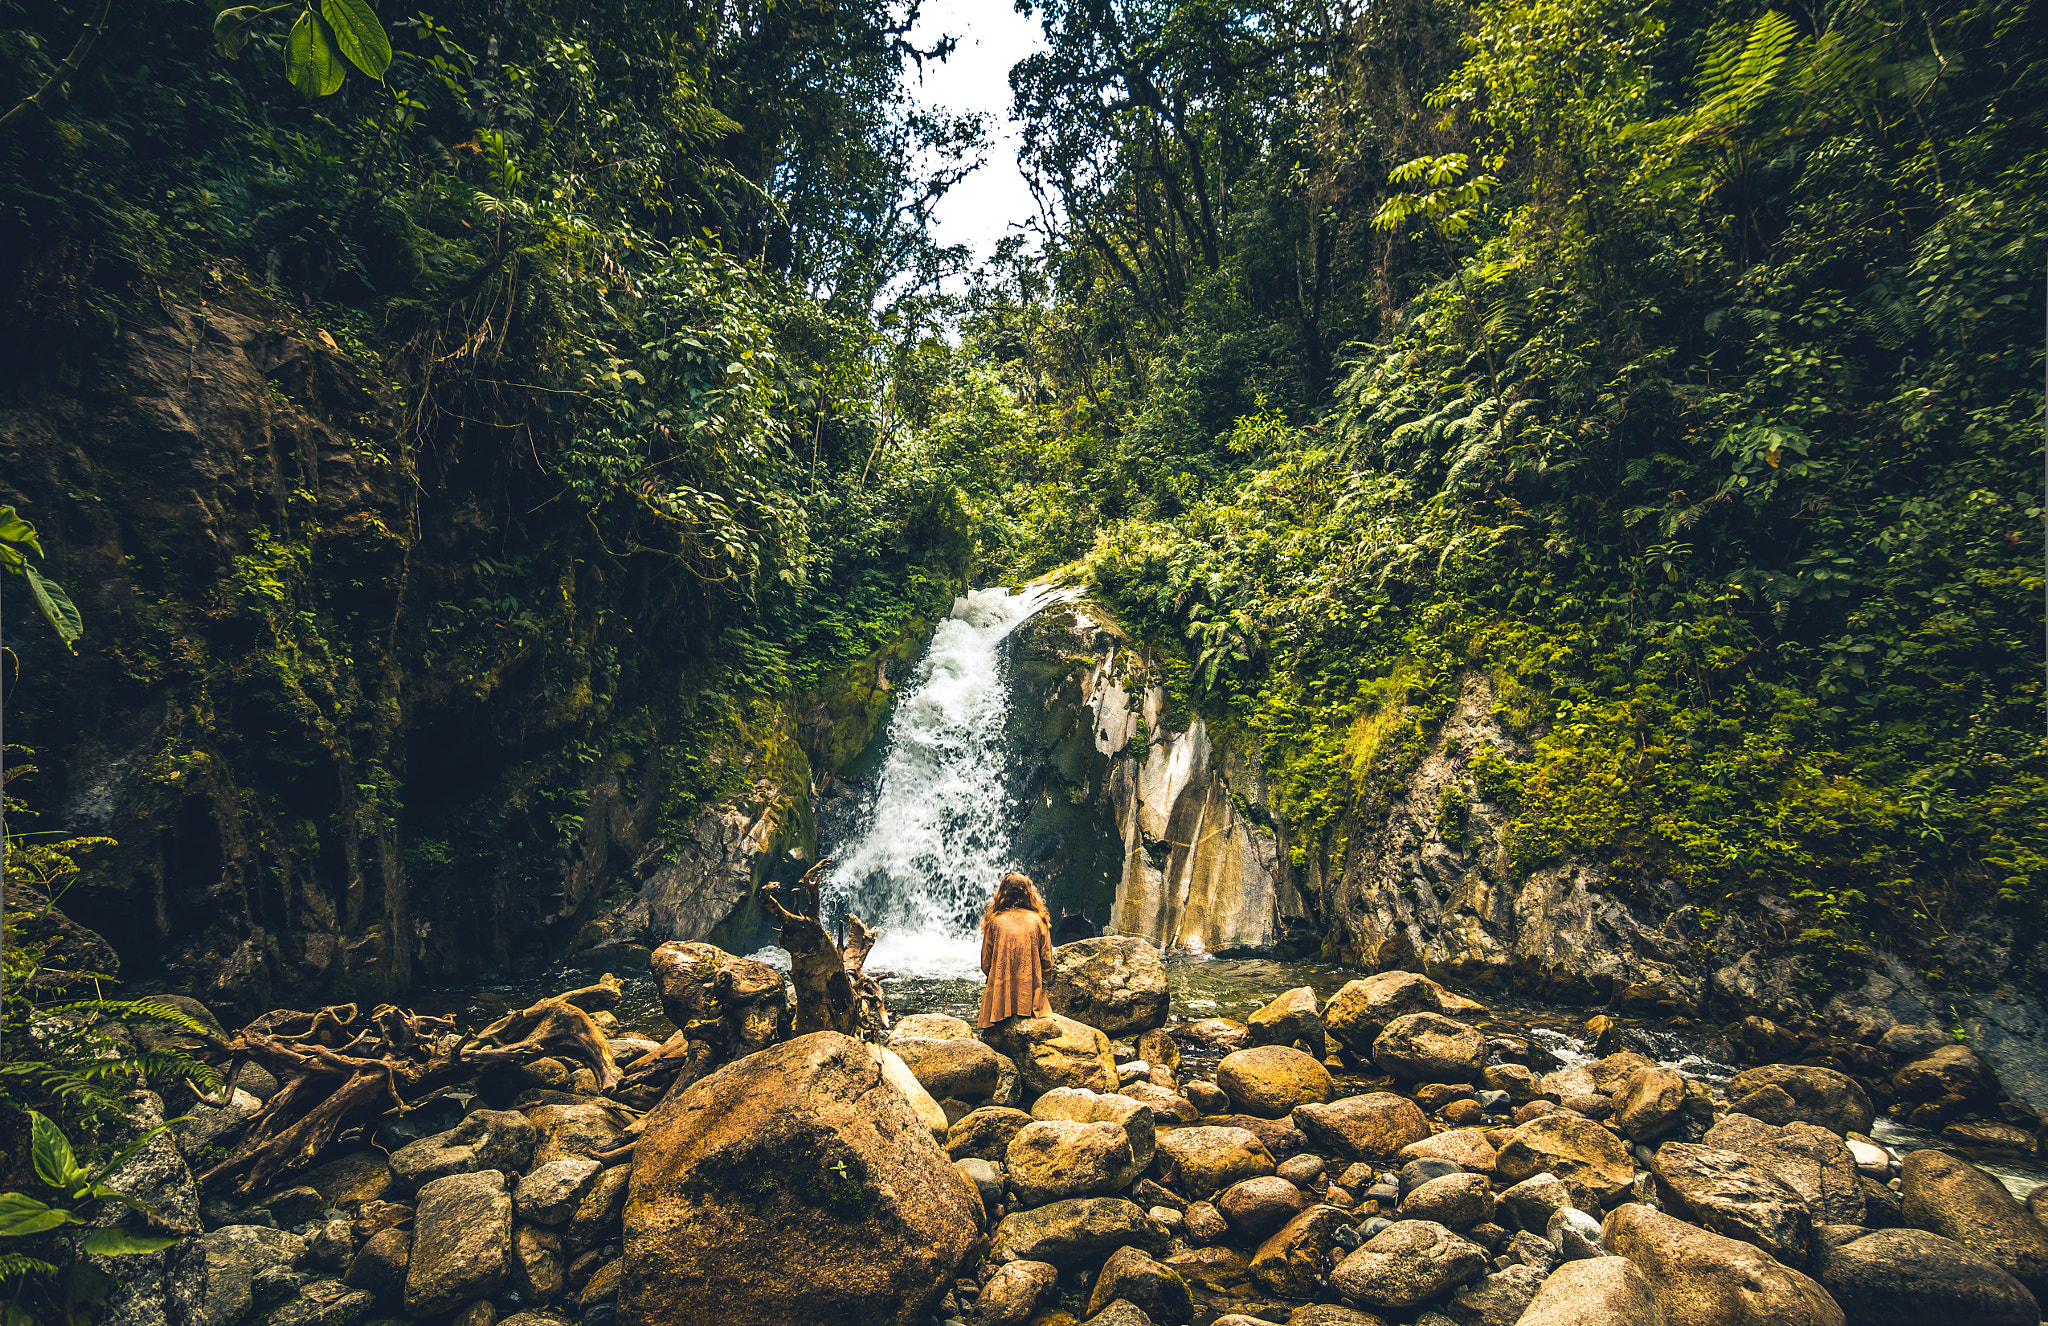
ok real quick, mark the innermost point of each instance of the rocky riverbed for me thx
(1182, 1144)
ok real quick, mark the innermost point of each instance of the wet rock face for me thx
(1954, 1199)
(1906, 1277)
(1703, 1279)
(1116, 984)
(795, 1184)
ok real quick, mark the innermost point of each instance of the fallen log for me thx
(335, 1070)
(833, 991)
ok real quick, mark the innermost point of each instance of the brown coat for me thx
(1016, 953)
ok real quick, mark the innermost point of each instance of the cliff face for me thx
(1173, 823)
(359, 708)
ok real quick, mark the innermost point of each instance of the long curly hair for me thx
(1013, 891)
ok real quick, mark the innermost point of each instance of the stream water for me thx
(934, 836)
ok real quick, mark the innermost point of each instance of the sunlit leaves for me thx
(316, 68)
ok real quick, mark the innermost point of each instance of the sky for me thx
(980, 209)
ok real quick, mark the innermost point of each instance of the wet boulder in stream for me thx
(1906, 1277)
(1358, 1013)
(1428, 1047)
(1819, 1095)
(1290, 1017)
(1703, 1279)
(1591, 1161)
(1271, 1080)
(1116, 984)
(1056, 1051)
(1953, 1198)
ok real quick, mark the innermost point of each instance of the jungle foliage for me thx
(1678, 366)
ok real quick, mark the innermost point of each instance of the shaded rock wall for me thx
(362, 704)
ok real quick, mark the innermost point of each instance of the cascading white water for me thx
(936, 836)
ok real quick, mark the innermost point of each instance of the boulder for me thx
(1359, 1012)
(1517, 1081)
(1257, 1207)
(319, 1303)
(1081, 1231)
(234, 1255)
(904, 1083)
(1116, 984)
(1908, 1041)
(1951, 1197)
(1053, 1159)
(1565, 1083)
(1217, 1033)
(1166, 1107)
(1574, 1235)
(537, 1267)
(1279, 1136)
(378, 1268)
(1819, 1095)
(747, 999)
(462, 1242)
(962, 1069)
(1953, 1071)
(1056, 1051)
(1428, 1047)
(1012, 1295)
(351, 1180)
(597, 1215)
(1456, 1201)
(499, 1140)
(987, 1178)
(552, 1192)
(1134, 1276)
(1907, 1277)
(1611, 1071)
(1494, 1300)
(1647, 1104)
(1531, 1201)
(1731, 1195)
(1120, 1312)
(1202, 1160)
(1814, 1162)
(1328, 1314)
(1592, 1161)
(1224, 1270)
(1290, 1017)
(1082, 1106)
(1599, 1291)
(1409, 1263)
(1470, 1149)
(794, 1184)
(1702, 1279)
(1291, 1261)
(1370, 1127)
(985, 1133)
(930, 1027)
(576, 1130)
(1303, 1170)
(1271, 1080)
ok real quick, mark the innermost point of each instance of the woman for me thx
(1016, 952)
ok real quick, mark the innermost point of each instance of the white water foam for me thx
(937, 835)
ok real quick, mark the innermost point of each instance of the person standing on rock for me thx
(1016, 952)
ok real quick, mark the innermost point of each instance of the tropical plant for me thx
(17, 541)
(320, 39)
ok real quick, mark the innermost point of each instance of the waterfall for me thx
(936, 834)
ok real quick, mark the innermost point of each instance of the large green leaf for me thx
(56, 606)
(231, 29)
(316, 69)
(54, 1161)
(359, 34)
(21, 1214)
(14, 530)
(116, 1242)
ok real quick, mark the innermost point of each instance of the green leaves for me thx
(117, 1242)
(316, 68)
(51, 1150)
(17, 538)
(359, 34)
(21, 1215)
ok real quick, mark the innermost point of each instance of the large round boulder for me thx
(1730, 1195)
(1906, 1277)
(1429, 1047)
(1819, 1095)
(1953, 1198)
(962, 1069)
(1595, 1291)
(1702, 1279)
(1199, 1161)
(1056, 1051)
(796, 1184)
(1292, 1016)
(1116, 984)
(1080, 1231)
(1813, 1161)
(1647, 1103)
(1257, 1207)
(1952, 1072)
(1414, 1261)
(1053, 1159)
(1591, 1161)
(1270, 1080)
(1361, 1010)
(1372, 1127)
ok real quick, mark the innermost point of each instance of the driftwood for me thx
(336, 1071)
(833, 992)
